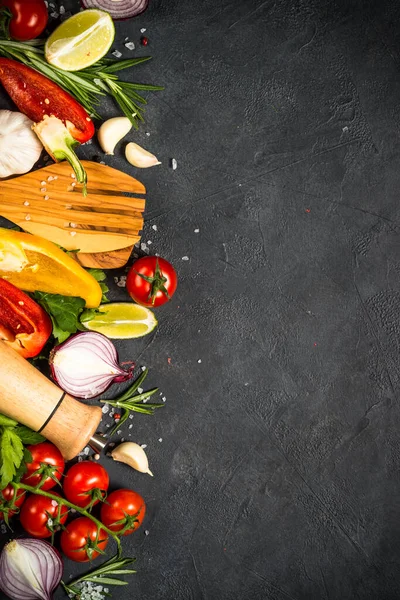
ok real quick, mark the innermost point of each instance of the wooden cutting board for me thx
(104, 225)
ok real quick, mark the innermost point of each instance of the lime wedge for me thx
(81, 40)
(122, 320)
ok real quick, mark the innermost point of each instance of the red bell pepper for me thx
(60, 121)
(24, 325)
(36, 96)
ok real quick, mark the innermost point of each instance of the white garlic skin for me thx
(139, 157)
(112, 131)
(133, 455)
(20, 148)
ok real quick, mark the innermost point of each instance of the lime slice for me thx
(81, 40)
(122, 320)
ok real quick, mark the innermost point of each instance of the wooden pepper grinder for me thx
(27, 396)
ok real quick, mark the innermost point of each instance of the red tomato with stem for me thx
(46, 459)
(81, 540)
(85, 481)
(151, 281)
(6, 500)
(123, 508)
(28, 20)
(38, 514)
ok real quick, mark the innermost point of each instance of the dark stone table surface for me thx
(276, 458)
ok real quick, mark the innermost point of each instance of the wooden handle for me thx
(27, 396)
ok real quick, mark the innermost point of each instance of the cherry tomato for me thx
(44, 455)
(82, 478)
(36, 512)
(119, 505)
(78, 540)
(29, 19)
(151, 281)
(7, 500)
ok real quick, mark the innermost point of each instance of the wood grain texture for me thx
(49, 202)
(27, 396)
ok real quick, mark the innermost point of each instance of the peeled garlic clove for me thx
(112, 132)
(139, 157)
(133, 455)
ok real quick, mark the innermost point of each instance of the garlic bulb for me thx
(133, 455)
(139, 157)
(112, 131)
(19, 146)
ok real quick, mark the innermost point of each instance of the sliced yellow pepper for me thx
(35, 264)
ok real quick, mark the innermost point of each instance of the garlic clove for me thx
(139, 157)
(112, 131)
(133, 455)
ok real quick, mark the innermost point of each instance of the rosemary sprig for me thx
(130, 401)
(104, 575)
(88, 85)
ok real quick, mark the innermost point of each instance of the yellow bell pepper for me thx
(35, 264)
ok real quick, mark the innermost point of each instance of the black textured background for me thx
(277, 476)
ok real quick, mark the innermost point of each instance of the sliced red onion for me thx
(118, 9)
(30, 569)
(87, 364)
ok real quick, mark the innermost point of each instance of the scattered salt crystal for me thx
(80, 459)
(72, 233)
(199, 361)
(143, 30)
(131, 416)
(117, 54)
(42, 183)
(146, 532)
(140, 390)
(174, 164)
(54, 503)
(160, 439)
(148, 133)
(130, 46)
(185, 258)
(73, 176)
(149, 242)
(163, 399)
(26, 203)
(111, 445)
(102, 162)
(130, 426)
(196, 230)
(49, 522)
(122, 281)
(62, 10)
(122, 439)
(126, 39)
(54, 15)
(73, 225)
(105, 409)
(143, 368)
(86, 450)
(154, 227)
(46, 197)
(27, 217)
(43, 190)
(145, 401)
(345, 129)
(50, 178)
(143, 446)
(119, 432)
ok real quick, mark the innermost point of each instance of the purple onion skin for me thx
(145, 5)
(117, 379)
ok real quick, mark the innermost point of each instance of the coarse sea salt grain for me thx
(117, 54)
(185, 258)
(199, 361)
(143, 30)
(174, 164)
(154, 227)
(105, 409)
(160, 439)
(130, 46)
(143, 446)
(140, 390)
(26, 203)
(146, 532)
(197, 230)
(130, 426)
(62, 10)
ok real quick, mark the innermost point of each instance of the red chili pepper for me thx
(24, 325)
(36, 96)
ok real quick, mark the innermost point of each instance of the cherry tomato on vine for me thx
(123, 504)
(38, 514)
(28, 20)
(6, 500)
(46, 457)
(81, 479)
(80, 539)
(151, 281)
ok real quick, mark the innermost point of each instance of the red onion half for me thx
(87, 364)
(30, 569)
(118, 9)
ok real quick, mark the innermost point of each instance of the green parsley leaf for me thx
(64, 312)
(12, 452)
(7, 422)
(27, 458)
(101, 277)
(28, 436)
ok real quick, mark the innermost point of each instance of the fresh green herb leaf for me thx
(64, 312)
(12, 452)
(7, 422)
(101, 277)
(28, 436)
(27, 458)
